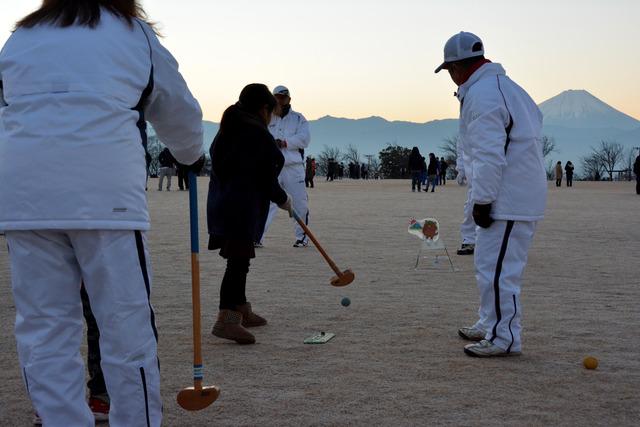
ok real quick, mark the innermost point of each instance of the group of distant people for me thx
(168, 168)
(426, 175)
(354, 170)
(568, 169)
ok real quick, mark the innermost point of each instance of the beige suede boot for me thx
(249, 318)
(229, 326)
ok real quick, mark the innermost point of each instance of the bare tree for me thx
(450, 149)
(323, 158)
(610, 154)
(352, 155)
(550, 170)
(374, 167)
(630, 160)
(592, 166)
(548, 145)
(154, 147)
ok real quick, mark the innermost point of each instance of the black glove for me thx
(195, 167)
(482, 215)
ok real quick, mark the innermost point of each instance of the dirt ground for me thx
(396, 359)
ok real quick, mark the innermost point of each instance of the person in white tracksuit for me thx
(501, 127)
(78, 82)
(291, 132)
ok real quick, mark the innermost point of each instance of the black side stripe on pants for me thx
(306, 222)
(496, 279)
(143, 266)
(515, 311)
(26, 380)
(146, 396)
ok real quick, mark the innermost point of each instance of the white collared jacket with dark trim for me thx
(500, 126)
(75, 101)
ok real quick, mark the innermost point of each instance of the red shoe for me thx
(100, 408)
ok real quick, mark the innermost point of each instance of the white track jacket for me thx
(71, 153)
(294, 129)
(507, 167)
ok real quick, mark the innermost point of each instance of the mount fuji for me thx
(579, 109)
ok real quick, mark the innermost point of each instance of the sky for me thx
(361, 58)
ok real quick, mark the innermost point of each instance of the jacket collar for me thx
(487, 70)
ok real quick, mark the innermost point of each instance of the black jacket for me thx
(636, 166)
(443, 167)
(432, 169)
(166, 159)
(244, 178)
(568, 169)
(415, 162)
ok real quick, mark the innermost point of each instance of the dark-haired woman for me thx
(79, 80)
(244, 180)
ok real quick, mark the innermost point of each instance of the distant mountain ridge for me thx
(576, 120)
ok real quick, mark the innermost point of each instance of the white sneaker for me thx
(486, 348)
(301, 244)
(471, 334)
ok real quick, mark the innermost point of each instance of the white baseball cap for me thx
(461, 46)
(281, 90)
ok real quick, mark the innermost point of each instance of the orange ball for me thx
(590, 362)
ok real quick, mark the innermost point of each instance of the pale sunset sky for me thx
(359, 58)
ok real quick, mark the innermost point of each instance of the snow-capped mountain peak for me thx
(580, 109)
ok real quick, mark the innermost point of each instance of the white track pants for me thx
(47, 268)
(292, 181)
(468, 226)
(500, 258)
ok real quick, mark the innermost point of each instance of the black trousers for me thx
(234, 282)
(183, 178)
(569, 180)
(559, 182)
(96, 383)
(638, 185)
(415, 181)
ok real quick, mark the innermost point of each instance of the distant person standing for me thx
(568, 170)
(423, 172)
(432, 172)
(183, 178)
(309, 172)
(559, 174)
(443, 171)
(501, 125)
(415, 166)
(291, 132)
(167, 164)
(331, 169)
(636, 170)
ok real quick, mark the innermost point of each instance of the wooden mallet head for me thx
(343, 279)
(193, 399)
